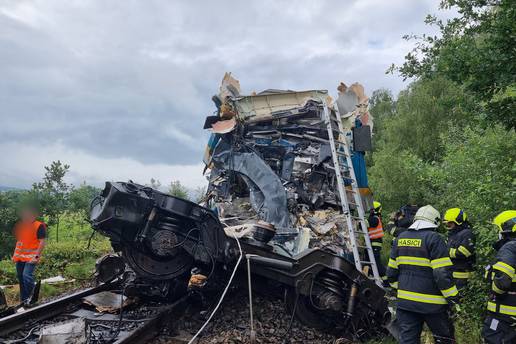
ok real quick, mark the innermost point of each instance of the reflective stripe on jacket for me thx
(27, 241)
(503, 283)
(375, 232)
(420, 268)
(461, 248)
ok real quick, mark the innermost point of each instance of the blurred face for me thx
(450, 225)
(28, 215)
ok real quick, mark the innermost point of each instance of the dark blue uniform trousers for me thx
(411, 326)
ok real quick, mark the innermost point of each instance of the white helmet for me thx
(426, 217)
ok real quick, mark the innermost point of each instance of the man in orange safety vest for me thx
(30, 240)
(375, 230)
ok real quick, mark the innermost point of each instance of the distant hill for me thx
(7, 188)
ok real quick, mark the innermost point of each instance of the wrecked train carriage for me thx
(272, 194)
(270, 161)
(272, 166)
(163, 238)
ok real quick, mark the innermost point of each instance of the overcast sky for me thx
(119, 89)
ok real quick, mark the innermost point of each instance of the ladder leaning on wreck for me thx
(340, 148)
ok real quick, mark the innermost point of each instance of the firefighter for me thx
(420, 268)
(30, 235)
(375, 235)
(461, 245)
(500, 323)
(402, 219)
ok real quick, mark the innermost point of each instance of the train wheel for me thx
(306, 312)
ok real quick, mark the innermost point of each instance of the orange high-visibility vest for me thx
(376, 232)
(28, 242)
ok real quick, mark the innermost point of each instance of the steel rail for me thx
(154, 325)
(47, 310)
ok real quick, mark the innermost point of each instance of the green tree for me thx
(476, 49)
(399, 177)
(475, 170)
(52, 192)
(381, 107)
(80, 198)
(9, 204)
(442, 145)
(423, 111)
(478, 171)
(478, 174)
(178, 190)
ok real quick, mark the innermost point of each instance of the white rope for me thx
(223, 293)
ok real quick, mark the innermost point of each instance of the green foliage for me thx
(80, 198)
(424, 111)
(381, 106)
(398, 177)
(473, 302)
(476, 171)
(463, 165)
(52, 192)
(383, 340)
(62, 206)
(70, 257)
(481, 163)
(46, 291)
(7, 272)
(82, 269)
(439, 144)
(9, 203)
(476, 49)
(178, 190)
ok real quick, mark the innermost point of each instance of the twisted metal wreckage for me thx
(271, 199)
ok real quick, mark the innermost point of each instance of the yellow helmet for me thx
(506, 221)
(377, 207)
(456, 215)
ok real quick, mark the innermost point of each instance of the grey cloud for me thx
(133, 79)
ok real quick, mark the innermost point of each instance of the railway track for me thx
(71, 319)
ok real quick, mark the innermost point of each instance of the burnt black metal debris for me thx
(70, 319)
(322, 286)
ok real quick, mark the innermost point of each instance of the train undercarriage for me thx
(172, 246)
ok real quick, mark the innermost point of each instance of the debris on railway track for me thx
(70, 319)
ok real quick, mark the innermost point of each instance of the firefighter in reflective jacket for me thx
(461, 245)
(402, 219)
(500, 323)
(376, 234)
(420, 268)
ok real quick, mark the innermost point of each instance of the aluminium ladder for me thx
(341, 149)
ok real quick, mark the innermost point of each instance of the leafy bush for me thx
(423, 111)
(399, 177)
(7, 272)
(468, 166)
(71, 259)
(66, 257)
(478, 170)
(9, 204)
